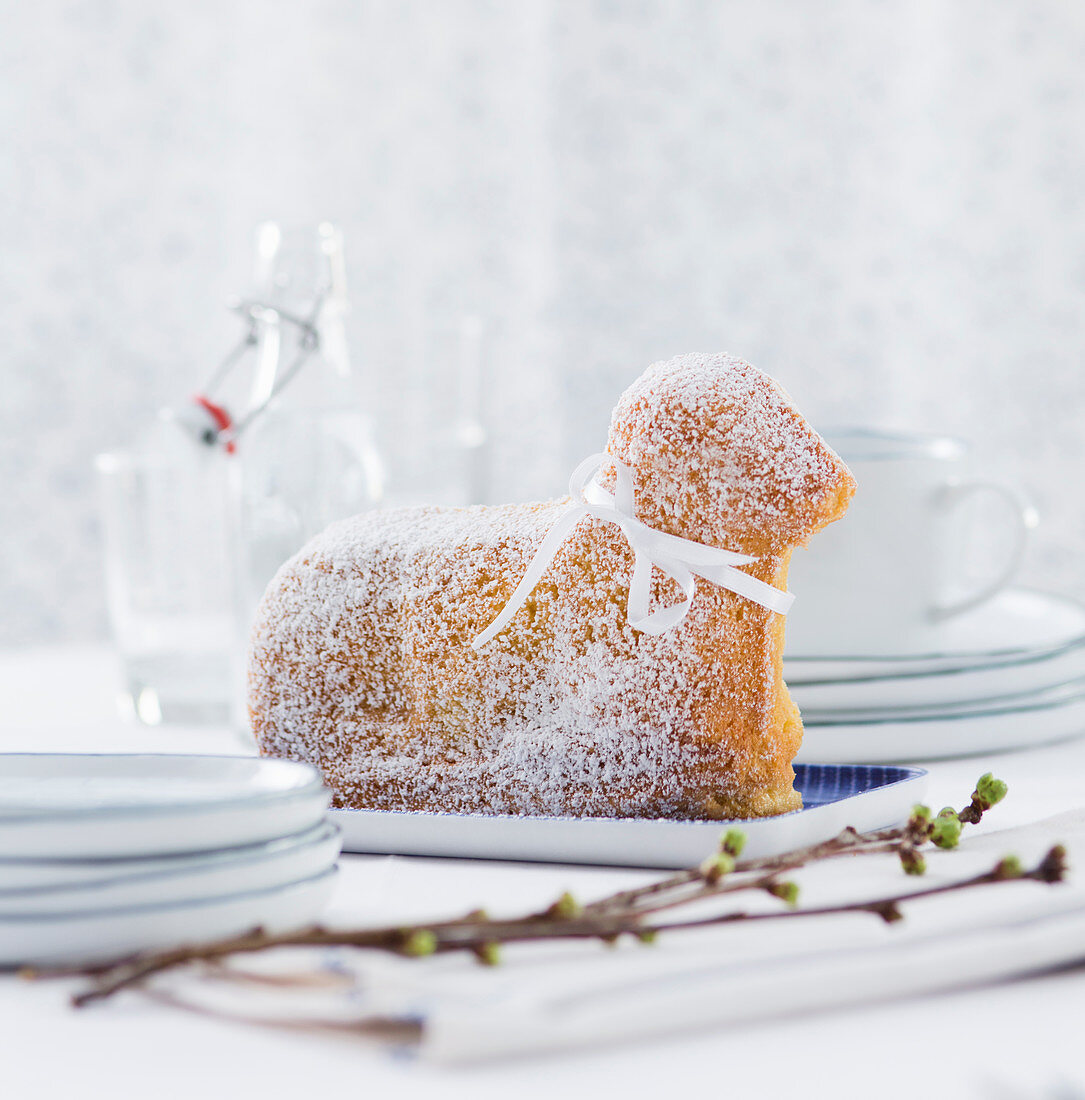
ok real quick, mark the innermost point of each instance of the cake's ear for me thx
(720, 456)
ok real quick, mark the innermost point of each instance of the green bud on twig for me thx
(787, 892)
(946, 829)
(1008, 867)
(565, 908)
(715, 867)
(489, 954)
(912, 861)
(734, 840)
(921, 815)
(989, 791)
(646, 936)
(419, 942)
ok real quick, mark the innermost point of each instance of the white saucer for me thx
(55, 805)
(123, 883)
(952, 686)
(964, 733)
(1025, 701)
(1017, 625)
(84, 937)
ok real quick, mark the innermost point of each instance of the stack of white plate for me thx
(1010, 674)
(105, 855)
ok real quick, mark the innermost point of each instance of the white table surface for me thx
(1021, 1039)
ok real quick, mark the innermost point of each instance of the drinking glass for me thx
(168, 577)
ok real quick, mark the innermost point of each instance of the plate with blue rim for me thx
(80, 937)
(835, 796)
(1043, 718)
(115, 805)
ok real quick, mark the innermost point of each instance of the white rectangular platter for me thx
(834, 796)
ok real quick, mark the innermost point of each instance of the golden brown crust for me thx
(361, 659)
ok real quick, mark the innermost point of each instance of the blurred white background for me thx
(879, 203)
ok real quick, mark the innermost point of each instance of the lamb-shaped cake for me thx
(363, 660)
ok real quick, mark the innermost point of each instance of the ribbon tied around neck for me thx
(680, 559)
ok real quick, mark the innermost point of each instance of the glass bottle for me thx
(221, 490)
(304, 448)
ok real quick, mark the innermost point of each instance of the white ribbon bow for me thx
(681, 559)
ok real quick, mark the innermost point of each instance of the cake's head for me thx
(720, 456)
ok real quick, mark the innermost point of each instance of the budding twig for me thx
(634, 912)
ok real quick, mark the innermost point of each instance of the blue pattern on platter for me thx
(820, 784)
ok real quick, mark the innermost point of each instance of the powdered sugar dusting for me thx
(715, 434)
(362, 661)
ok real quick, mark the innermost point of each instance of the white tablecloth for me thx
(1014, 1039)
